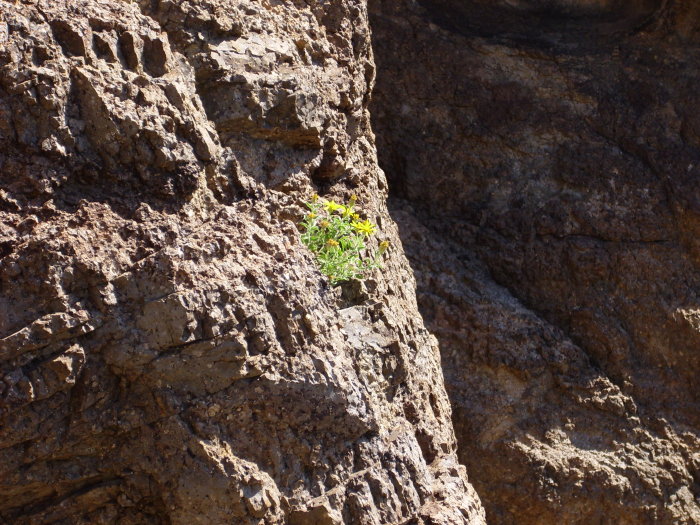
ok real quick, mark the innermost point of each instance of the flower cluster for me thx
(337, 234)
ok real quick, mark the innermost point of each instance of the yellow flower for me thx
(314, 197)
(312, 215)
(324, 224)
(332, 242)
(383, 246)
(347, 212)
(353, 199)
(333, 206)
(366, 227)
(356, 216)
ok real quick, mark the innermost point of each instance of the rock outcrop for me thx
(544, 158)
(169, 352)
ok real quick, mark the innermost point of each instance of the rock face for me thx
(169, 352)
(544, 158)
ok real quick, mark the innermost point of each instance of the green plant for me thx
(336, 234)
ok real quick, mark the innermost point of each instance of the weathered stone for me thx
(545, 163)
(169, 352)
(156, 57)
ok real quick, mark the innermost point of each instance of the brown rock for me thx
(169, 352)
(545, 166)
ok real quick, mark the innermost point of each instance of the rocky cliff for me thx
(544, 158)
(169, 351)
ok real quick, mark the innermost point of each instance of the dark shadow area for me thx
(541, 159)
(555, 24)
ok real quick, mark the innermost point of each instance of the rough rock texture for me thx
(545, 158)
(168, 351)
